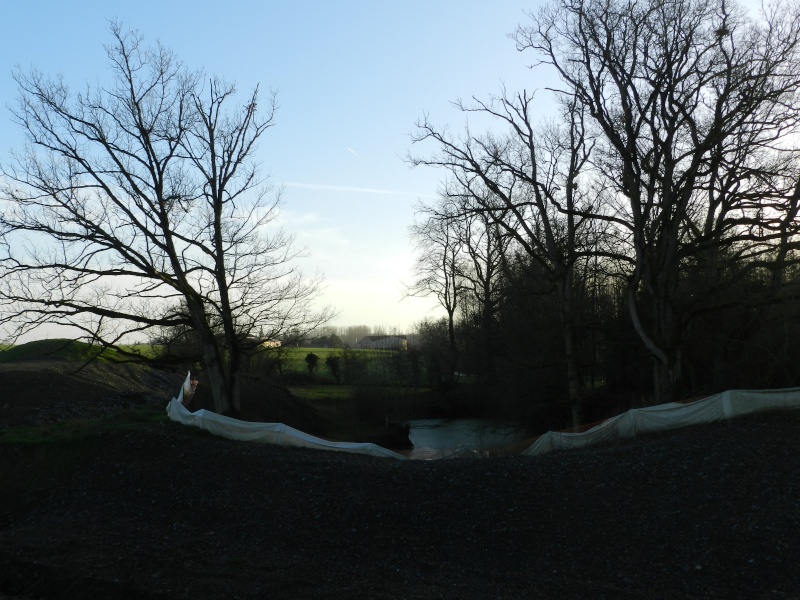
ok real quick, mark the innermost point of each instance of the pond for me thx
(434, 438)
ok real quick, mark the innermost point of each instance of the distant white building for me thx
(383, 342)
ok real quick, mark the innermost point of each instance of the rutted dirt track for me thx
(163, 511)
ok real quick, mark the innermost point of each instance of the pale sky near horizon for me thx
(352, 79)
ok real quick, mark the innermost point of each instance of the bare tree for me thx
(486, 248)
(439, 265)
(697, 106)
(527, 182)
(139, 206)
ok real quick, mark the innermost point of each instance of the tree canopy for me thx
(138, 205)
(670, 177)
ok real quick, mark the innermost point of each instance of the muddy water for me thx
(443, 437)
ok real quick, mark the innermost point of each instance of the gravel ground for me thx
(164, 511)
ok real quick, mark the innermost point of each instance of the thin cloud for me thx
(357, 190)
(354, 153)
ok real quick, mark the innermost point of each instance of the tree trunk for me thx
(489, 351)
(451, 338)
(235, 395)
(573, 371)
(667, 375)
(217, 380)
(662, 340)
(574, 383)
(225, 387)
(234, 371)
(217, 371)
(667, 379)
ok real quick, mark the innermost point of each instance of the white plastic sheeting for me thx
(268, 433)
(670, 416)
(630, 424)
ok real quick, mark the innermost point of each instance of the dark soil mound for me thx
(42, 392)
(265, 402)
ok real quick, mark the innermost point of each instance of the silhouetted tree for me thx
(697, 108)
(526, 182)
(311, 362)
(149, 211)
(439, 264)
(333, 363)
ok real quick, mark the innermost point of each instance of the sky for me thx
(352, 79)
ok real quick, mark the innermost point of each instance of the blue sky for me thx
(352, 78)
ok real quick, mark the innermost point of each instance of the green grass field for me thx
(72, 350)
(56, 349)
(296, 357)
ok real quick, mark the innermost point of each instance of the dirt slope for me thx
(49, 391)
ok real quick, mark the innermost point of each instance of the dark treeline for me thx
(641, 247)
(515, 361)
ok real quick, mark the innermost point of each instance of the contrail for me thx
(358, 190)
(354, 152)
